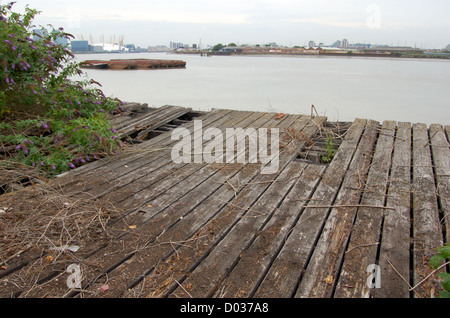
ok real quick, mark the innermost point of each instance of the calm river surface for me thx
(341, 88)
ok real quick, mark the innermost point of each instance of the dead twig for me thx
(349, 206)
(429, 275)
(183, 288)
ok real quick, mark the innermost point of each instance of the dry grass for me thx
(41, 224)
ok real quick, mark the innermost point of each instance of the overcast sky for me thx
(420, 23)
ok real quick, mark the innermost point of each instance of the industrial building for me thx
(80, 46)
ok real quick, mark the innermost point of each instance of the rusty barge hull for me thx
(131, 64)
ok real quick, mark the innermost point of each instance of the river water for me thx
(341, 88)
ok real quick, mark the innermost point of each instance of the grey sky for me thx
(421, 23)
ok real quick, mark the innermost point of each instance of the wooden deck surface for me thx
(226, 230)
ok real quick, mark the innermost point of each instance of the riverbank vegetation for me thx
(52, 118)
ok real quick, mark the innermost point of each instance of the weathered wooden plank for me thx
(199, 222)
(140, 188)
(212, 270)
(179, 212)
(128, 118)
(441, 161)
(145, 234)
(427, 231)
(255, 261)
(172, 193)
(365, 235)
(130, 112)
(149, 148)
(139, 150)
(146, 157)
(285, 272)
(155, 119)
(394, 259)
(323, 268)
(193, 211)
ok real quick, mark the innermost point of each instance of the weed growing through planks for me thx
(443, 254)
(329, 150)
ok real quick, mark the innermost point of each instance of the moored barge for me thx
(129, 64)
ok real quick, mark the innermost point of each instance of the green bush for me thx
(48, 119)
(442, 255)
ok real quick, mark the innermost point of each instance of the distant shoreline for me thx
(400, 56)
(412, 56)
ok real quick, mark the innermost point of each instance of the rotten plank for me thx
(147, 157)
(323, 268)
(365, 235)
(285, 272)
(139, 188)
(394, 259)
(427, 230)
(209, 221)
(132, 244)
(155, 119)
(255, 261)
(441, 161)
(169, 219)
(212, 270)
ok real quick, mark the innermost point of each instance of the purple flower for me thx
(71, 165)
(13, 66)
(25, 150)
(53, 166)
(13, 48)
(113, 130)
(8, 42)
(44, 125)
(33, 47)
(11, 35)
(19, 147)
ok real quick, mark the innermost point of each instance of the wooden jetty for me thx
(132, 64)
(311, 229)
